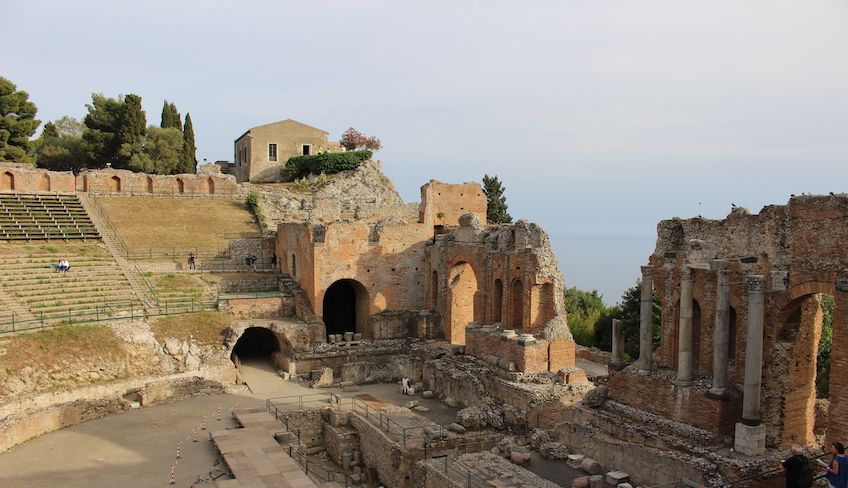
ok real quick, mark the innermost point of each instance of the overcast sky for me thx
(601, 117)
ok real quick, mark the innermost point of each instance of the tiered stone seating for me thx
(93, 288)
(41, 216)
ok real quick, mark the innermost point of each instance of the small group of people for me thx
(800, 473)
(63, 266)
(250, 261)
(405, 385)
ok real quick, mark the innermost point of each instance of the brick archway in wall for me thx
(7, 181)
(345, 307)
(255, 344)
(796, 325)
(462, 291)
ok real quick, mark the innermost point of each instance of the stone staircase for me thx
(94, 288)
(113, 242)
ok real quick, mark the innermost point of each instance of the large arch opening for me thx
(114, 184)
(462, 283)
(256, 345)
(149, 184)
(517, 303)
(210, 185)
(345, 307)
(805, 338)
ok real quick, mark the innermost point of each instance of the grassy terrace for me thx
(204, 327)
(162, 223)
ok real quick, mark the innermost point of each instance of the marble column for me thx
(721, 331)
(617, 362)
(751, 433)
(646, 320)
(684, 330)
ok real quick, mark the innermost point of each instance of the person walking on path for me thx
(191, 260)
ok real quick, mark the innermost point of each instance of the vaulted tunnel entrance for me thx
(256, 344)
(345, 307)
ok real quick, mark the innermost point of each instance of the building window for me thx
(272, 152)
(307, 149)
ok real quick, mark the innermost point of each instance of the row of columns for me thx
(752, 433)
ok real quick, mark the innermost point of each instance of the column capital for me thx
(685, 273)
(718, 265)
(755, 283)
(647, 271)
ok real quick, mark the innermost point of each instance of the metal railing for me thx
(104, 217)
(458, 472)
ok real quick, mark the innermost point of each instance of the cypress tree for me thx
(177, 118)
(189, 149)
(496, 201)
(131, 130)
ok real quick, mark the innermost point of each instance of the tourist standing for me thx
(837, 470)
(797, 469)
(191, 260)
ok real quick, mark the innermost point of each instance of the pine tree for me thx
(496, 208)
(100, 135)
(17, 123)
(189, 160)
(49, 130)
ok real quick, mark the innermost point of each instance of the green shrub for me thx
(252, 201)
(327, 163)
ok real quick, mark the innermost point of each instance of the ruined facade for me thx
(741, 323)
(496, 290)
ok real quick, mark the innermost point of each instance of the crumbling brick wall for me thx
(800, 249)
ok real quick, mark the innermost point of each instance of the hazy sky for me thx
(601, 117)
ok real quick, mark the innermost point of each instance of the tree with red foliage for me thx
(352, 140)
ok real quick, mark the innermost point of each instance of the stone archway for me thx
(114, 184)
(210, 185)
(346, 307)
(462, 286)
(43, 182)
(255, 344)
(794, 363)
(516, 303)
(180, 186)
(7, 181)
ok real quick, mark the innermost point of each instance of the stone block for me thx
(322, 378)
(357, 337)
(590, 466)
(750, 440)
(451, 402)
(507, 365)
(427, 394)
(581, 482)
(518, 457)
(348, 336)
(411, 404)
(454, 427)
(596, 481)
(575, 460)
(617, 477)
(624, 485)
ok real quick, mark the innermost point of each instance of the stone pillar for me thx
(721, 335)
(750, 433)
(646, 320)
(684, 330)
(617, 346)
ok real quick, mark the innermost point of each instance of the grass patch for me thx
(174, 282)
(179, 223)
(59, 346)
(204, 327)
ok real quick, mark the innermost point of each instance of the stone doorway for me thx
(462, 284)
(345, 307)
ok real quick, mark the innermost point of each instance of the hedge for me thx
(327, 163)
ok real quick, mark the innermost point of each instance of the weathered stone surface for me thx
(590, 466)
(451, 402)
(596, 397)
(596, 481)
(617, 477)
(581, 482)
(323, 379)
(553, 450)
(518, 457)
(427, 394)
(455, 427)
(624, 485)
(575, 460)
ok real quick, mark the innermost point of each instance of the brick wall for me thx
(27, 178)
